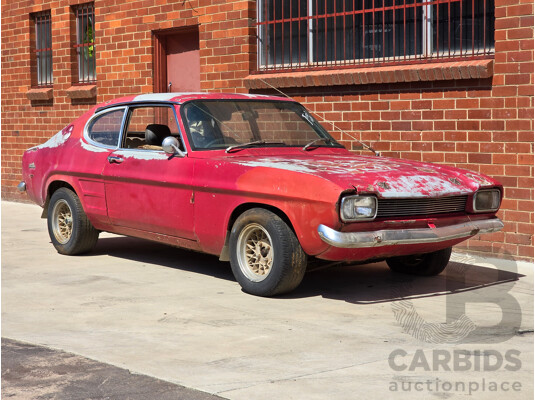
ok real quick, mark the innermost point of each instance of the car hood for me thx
(387, 177)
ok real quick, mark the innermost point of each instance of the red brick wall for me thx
(123, 45)
(483, 124)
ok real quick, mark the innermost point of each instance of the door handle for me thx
(115, 159)
(169, 86)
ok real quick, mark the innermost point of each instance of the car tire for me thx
(265, 255)
(69, 229)
(423, 264)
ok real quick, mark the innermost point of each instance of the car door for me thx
(147, 189)
(101, 136)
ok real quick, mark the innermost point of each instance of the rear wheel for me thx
(265, 255)
(69, 229)
(423, 264)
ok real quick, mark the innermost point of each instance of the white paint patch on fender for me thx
(57, 140)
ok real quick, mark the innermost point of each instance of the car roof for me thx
(179, 98)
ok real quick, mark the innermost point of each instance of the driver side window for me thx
(147, 126)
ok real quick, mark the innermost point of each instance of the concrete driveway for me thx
(344, 333)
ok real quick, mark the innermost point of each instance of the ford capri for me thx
(255, 180)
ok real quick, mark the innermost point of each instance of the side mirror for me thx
(170, 146)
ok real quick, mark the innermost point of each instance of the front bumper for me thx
(390, 237)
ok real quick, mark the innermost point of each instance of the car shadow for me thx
(148, 252)
(375, 283)
(359, 284)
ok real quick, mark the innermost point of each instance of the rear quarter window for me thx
(105, 129)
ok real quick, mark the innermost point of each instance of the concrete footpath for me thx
(345, 333)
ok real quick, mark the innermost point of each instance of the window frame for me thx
(129, 110)
(101, 113)
(320, 130)
(86, 73)
(42, 23)
(431, 49)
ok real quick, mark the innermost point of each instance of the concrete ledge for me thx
(39, 94)
(479, 69)
(82, 92)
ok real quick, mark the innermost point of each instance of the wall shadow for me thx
(440, 86)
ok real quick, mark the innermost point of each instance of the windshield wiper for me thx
(249, 144)
(326, 140)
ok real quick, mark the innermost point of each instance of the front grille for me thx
(412, 207)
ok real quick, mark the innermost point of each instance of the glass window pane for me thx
(141, 117)
(106, 128)
(43, 45)
(85, 37)
(219, 124)
(341, 32)
(477, 16)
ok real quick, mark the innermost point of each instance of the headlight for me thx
(358, 208)
(487, 200)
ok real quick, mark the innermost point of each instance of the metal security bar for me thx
(85, 43)
(321, 34)
(43, 48)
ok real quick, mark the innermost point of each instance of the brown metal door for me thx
(183, 62)
(177, 62)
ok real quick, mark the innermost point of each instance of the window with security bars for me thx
(314, 34)
(43, 48)
(85, 42)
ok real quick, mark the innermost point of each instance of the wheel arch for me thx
(52, 187)
(239, 210)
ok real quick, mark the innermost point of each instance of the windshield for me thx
(221, 124)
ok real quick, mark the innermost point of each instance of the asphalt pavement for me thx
(153, 321)
(37, 372)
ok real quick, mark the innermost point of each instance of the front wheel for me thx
(428, 264)
(265, 255)
(69, 229)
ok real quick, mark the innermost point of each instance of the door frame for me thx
(159, 55)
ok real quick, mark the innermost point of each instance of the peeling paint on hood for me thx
(386, 177)
(420, 186)
(481, 179)
(339, 165)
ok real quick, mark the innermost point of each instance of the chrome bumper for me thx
(389, 237)
(21, 186)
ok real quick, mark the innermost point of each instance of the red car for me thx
(253, 179)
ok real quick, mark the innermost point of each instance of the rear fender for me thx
(89, 191)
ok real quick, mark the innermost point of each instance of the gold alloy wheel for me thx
(255, 252)
(62, 221)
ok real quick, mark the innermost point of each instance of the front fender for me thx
(306, 200)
